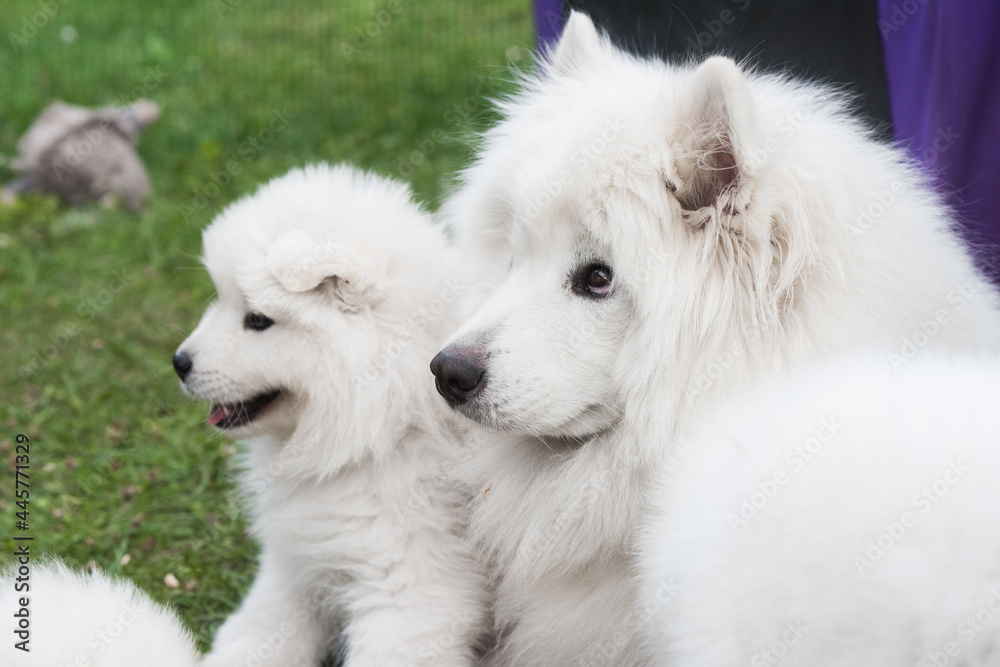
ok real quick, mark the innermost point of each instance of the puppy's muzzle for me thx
(459, 373)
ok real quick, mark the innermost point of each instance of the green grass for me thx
(94, 301)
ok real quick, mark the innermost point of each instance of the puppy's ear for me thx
(578, 45)
(301, 263)
(712, 137)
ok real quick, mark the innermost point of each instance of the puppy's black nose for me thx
(458, 373)
(183, 364)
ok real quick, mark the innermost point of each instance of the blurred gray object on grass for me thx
(84, 155)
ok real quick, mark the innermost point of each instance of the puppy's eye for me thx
(257, 321)
(593, 280)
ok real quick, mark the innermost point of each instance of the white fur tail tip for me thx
(61, 617)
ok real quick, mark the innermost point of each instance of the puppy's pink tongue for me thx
(218, 413)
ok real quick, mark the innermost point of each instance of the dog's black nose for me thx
(458, 373)
(183, 364)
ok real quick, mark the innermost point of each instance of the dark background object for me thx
(834, 41)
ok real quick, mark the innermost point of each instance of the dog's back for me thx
(847, 515)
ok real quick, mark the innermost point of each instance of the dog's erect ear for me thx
(579, 43)
(712, 137)
(302, 263)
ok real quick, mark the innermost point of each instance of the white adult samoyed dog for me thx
(63, 618)
(848, 516)
(661, 236)
(334, 291)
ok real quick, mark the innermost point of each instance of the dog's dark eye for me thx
(257, 321)
(593, 280)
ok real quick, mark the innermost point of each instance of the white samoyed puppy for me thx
(334, 290)
(847, 516)
(658, 237)
(64, 618)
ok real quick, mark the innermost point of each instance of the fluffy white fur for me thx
(349, 468)
(728, 206)
(89, 619)
(848, 516)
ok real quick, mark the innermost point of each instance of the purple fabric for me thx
(943, 64)
(548, 22)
